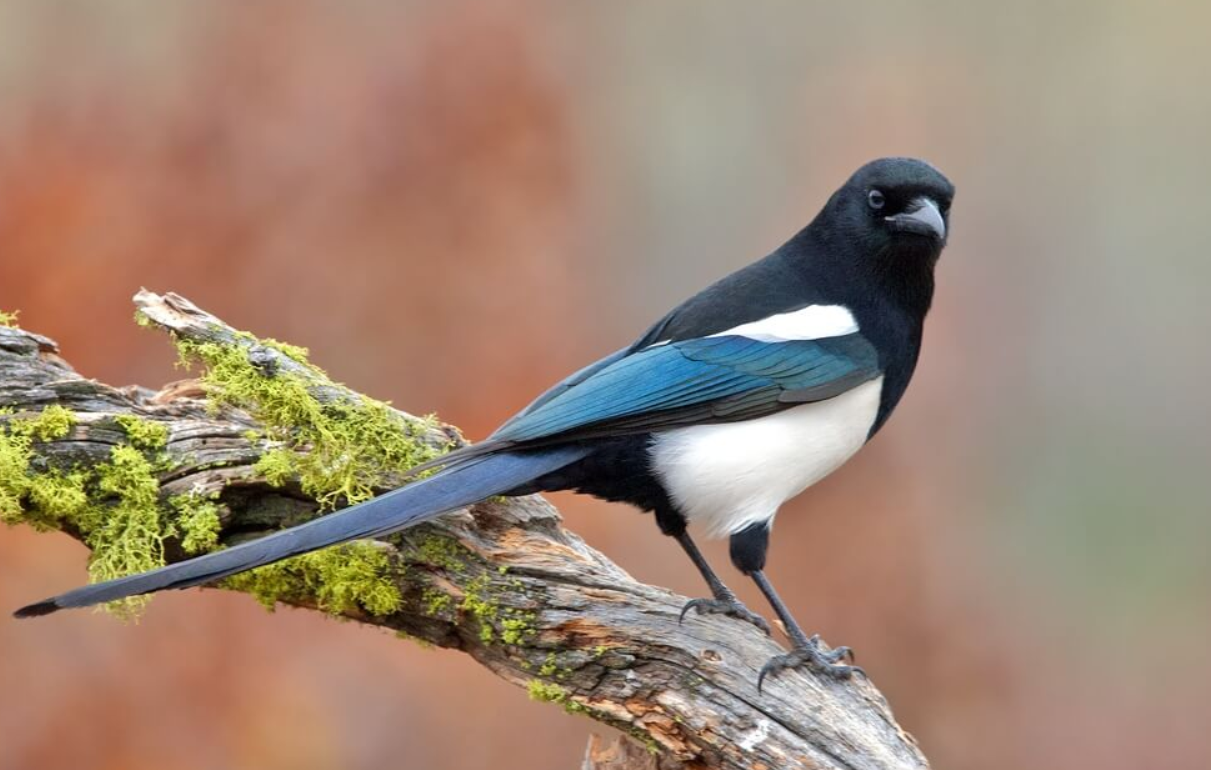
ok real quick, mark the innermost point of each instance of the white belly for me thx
(728, 476)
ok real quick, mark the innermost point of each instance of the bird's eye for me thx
(876, 199)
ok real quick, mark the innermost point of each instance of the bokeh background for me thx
(453, 204)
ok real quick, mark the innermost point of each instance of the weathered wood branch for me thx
(503, 582)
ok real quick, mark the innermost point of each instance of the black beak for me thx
(922, 217)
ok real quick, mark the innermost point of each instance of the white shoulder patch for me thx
(809, 323)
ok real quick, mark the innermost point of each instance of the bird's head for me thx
(897, 208)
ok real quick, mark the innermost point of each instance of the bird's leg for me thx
(722, 601)
(805, 650)
(748, 549)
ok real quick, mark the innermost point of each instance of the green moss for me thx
(57, 497)
(549, 666)
(549, 692)
(53, 423)
(197, 521)
(519, 627)
(17, 439)
(514, 626)
(114, 507)
(9, 319)
(546, 692)
(277, 466)
(344, 449)
(14, 481)
(444, 552)
(297, 353)
(340, 579)
(339, 452)
(435, 601)
(128, 537)
(484, 608)
(144, 434)
(510, 625)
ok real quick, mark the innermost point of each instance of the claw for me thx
(692, 604)
(730, 607)
(811, 655)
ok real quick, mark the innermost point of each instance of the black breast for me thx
(896, 335)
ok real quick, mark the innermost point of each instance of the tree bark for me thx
(584, 634)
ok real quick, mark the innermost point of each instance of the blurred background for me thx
(454, 204)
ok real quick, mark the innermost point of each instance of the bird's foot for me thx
(810, 653)
(726, 604)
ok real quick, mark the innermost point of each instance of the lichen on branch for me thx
(113, 506)
(352, 577)
(17, 482)
(340, 451)
(337, 452)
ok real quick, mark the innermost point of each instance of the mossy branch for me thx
(264, 440)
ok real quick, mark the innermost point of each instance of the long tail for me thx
(461, 485)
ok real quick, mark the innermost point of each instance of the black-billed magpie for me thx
(736, 401)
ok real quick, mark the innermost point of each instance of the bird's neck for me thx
(907, 281)
(896, 281)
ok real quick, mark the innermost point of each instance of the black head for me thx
(896, 208)
(884, 228)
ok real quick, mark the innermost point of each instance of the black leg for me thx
(805, 650)
(723, 601)
(718, 589)
(748, 549)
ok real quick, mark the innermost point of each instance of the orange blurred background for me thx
(454, 204)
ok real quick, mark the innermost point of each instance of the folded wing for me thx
(714, 379)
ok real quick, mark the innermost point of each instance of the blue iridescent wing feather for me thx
(713, 379)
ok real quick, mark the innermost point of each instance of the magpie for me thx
(733, 403)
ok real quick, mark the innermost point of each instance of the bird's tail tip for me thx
(37, 610)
